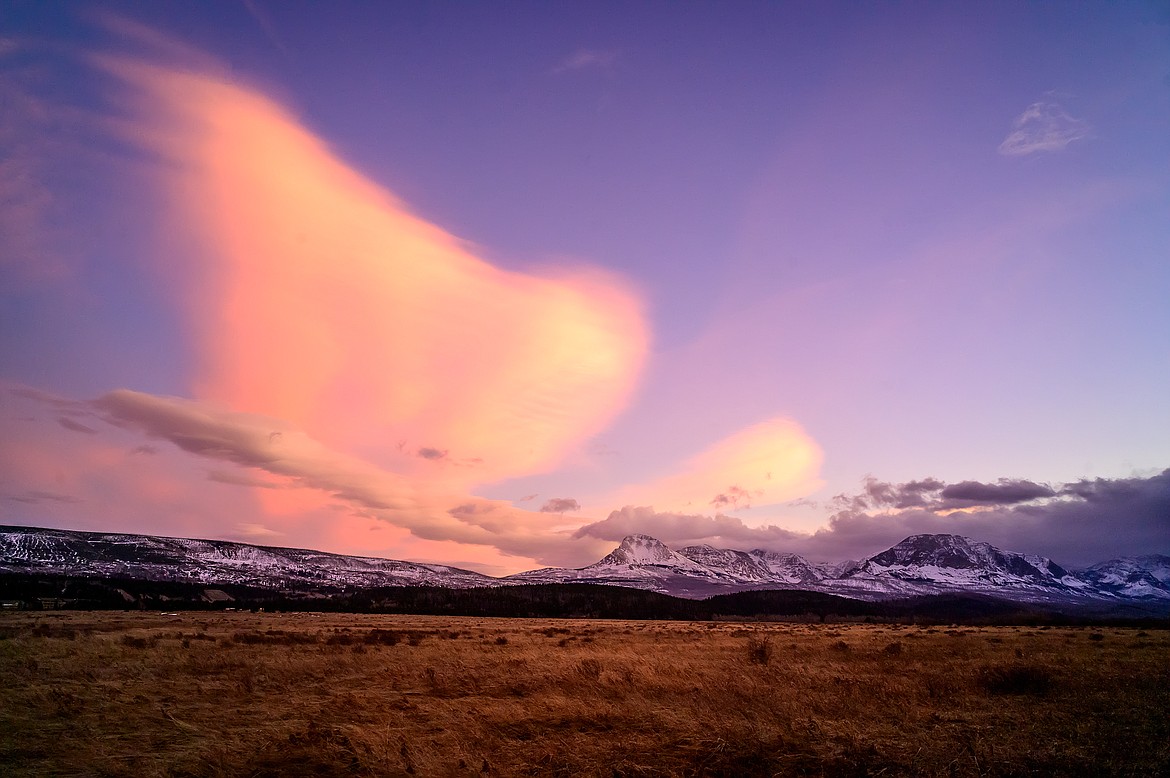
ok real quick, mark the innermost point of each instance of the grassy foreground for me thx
(241, 694)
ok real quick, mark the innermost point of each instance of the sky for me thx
(493, 285)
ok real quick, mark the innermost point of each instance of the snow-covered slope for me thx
(146, 557)
(727, 564)
(793, 568)
(1143, 576)
(954, 563)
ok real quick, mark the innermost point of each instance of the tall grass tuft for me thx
(1015, 678)
(760, 650)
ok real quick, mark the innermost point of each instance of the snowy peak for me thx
(956, 560)
(640, 561)
(639, 550)
(1144, 576)
(1156, 566)
(941, 550)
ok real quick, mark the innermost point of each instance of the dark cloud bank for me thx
(1075, 524)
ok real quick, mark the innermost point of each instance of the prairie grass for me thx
(240, 694)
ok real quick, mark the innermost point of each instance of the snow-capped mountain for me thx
(946, 563)
(642, 558)
(146, 557)
(918, 565)
(642, 550)
(641, 562)
(1143, 576)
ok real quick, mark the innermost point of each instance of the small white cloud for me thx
(256, 531)
(1043, 126)
(586, 58)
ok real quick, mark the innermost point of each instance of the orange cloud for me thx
(319, 299)
(767, 463)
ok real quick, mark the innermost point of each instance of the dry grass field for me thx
(241, 694)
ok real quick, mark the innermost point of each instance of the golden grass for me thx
(299, 694)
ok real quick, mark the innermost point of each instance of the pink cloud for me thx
(764, 464)
(319, 299)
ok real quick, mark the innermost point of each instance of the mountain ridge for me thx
(153, 557)
(916, 566)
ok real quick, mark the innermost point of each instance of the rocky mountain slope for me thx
(64, 552)
(1143, 576)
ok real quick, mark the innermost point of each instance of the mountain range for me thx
(919, 565)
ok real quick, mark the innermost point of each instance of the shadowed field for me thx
(304, 694)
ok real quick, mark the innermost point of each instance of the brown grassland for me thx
(242, 694)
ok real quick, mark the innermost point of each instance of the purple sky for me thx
(391, 278)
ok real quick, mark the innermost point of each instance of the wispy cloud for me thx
(583, 59)
(252, 532)
(35, 496)
(266, 24)
(1043, 126)
(242, 478)
(75, 426)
